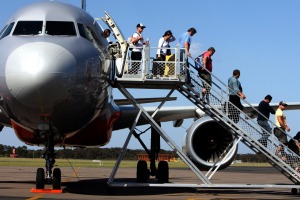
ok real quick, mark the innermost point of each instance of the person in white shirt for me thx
(164, 44)
(138, 41)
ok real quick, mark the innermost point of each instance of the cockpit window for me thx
(60, 28)
(6, 30)
(28, 28)
(82, 31)
(3, 29)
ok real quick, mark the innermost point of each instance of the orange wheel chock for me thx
(34, 190)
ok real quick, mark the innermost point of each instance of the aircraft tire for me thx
(163, 172)
(294, 191)
(40, 178)
(56, 181)
(142, 173)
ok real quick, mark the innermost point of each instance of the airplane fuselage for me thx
(53, 67)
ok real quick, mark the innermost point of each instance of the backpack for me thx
(131, 45)
(199, 62)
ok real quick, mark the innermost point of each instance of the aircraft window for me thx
(60, 28)
(3, 29)
(28, 28)
(6, 30)
(82, 31)
(92, 35)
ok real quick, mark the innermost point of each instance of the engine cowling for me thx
(205, 141)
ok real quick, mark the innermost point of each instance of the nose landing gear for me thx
(48, 177)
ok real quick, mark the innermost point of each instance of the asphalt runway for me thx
(90, 183)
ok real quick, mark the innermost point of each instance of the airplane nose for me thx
(38, 74)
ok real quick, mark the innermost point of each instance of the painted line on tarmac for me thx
(35, 197)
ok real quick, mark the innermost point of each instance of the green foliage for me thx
(105, 154)
(78, 153)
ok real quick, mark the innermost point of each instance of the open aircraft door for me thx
(120, 61)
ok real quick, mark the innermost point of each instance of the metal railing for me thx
(151, 68)
(258, 139)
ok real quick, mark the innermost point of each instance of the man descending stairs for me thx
(218, 107)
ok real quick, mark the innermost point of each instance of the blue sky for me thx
(259, 37)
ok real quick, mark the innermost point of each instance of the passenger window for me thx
(28, 28)
(60, 28)
(6, 30)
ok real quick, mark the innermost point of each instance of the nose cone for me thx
(38, 74)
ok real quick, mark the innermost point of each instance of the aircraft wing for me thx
(252, 113)
(121, 102)
(176, 114)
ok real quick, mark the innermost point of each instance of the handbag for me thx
(168, 53)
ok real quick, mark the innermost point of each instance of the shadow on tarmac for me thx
(99, 187)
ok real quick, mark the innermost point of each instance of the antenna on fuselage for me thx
(83, 4)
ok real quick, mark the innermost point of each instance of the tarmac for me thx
(90, 183)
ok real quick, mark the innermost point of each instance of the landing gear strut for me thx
(49, 156)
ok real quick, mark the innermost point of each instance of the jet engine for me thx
(205, 141)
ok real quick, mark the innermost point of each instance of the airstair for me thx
(247, 129)
(150, 73)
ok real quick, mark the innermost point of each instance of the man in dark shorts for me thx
(281, 127)
(205, 72)
(294, 144)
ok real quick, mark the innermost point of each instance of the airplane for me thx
(55, 91)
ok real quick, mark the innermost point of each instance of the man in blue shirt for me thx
(262, 119)
(235, 93)
(185, 44)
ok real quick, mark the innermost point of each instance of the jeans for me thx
(185, 67)
(266, 131)
(234, 114)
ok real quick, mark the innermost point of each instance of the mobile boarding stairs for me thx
(150, 73)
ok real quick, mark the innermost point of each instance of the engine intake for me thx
(205, 141)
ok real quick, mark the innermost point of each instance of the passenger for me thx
(106, 33)
(294, 144)
(281, 127)
(185, 44)
(235, 93)
(136, 53)
(163, 50)
(204, 72)
(164, 44)
(265, 109)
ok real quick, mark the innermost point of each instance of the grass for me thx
(39, 162)
(247, 164)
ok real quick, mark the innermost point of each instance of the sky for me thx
(261, 38)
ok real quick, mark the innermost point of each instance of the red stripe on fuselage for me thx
(25, 135)
(97, 133)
